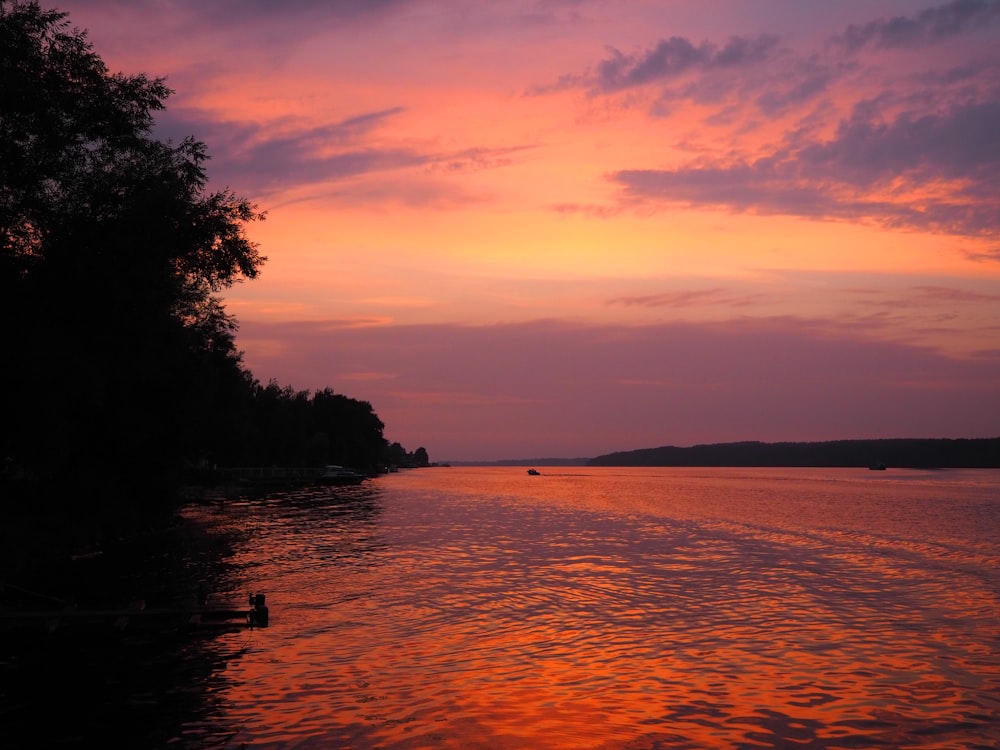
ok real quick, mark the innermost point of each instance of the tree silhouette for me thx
(111, 253)
(123, 376)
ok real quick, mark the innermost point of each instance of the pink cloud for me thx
(911, 149)
(850, 175)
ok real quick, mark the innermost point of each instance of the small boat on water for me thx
(339, 476)
(534, 472)
(878, 466)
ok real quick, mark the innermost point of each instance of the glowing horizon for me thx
(582, 229)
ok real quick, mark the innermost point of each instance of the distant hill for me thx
(900, 452)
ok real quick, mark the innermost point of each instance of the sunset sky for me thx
(561, 228)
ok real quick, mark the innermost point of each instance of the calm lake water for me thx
(584, 608)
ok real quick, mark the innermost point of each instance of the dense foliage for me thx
(286, 427)
(122, 370)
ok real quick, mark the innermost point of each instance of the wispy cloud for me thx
(930, 295)
(951, 294)
(237, 12)
(988, 256)
(683, 299)
(264, 159)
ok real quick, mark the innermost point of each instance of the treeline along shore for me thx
(123, 384)
(931, 453)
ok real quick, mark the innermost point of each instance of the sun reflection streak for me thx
(517, 617)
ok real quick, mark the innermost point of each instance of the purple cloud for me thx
(936, 293)
(246, 154)
(242, 12)
(674, 56)
(803, 84)
(260, 163)
(989, 256)
(683, 299)
(956, 143)
(928, 27)
(836, 178)
(890, 146)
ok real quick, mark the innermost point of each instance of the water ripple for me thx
(618, 612)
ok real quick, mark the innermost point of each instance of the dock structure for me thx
(254, 614)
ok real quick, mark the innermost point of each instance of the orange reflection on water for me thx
(433, 616)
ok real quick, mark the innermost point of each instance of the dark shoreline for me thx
(911, 453)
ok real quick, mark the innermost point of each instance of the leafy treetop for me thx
(111, 252)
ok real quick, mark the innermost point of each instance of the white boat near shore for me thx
(338, 475)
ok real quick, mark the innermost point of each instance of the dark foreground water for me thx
(583, 608)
